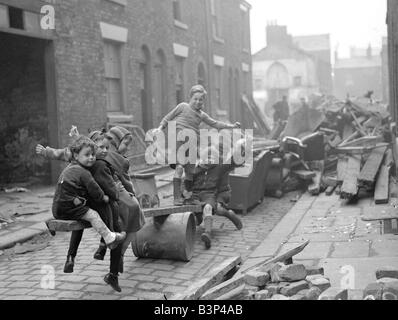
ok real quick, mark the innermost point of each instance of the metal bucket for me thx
(168, 237)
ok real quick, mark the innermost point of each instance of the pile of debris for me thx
(386, 286)
(282, 281)
(339, 147)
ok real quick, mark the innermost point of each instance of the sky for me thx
(349, 22)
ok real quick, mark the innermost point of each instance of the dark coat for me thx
(104, 174)
(74, 182)
(121, 165)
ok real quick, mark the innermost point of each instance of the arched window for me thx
(145, 86)
(278, 76)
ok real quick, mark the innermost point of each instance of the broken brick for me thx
(387, 272)
(294, 287)
(334, 293)
(257, 278)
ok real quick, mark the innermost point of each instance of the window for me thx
(214, 10)
(113, 76)
(217, 85)
(177, 10)
(15, 16)
(297, 81)
(179, 72)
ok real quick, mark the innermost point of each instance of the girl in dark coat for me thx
(130, 213)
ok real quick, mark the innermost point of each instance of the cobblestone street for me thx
(21, 275)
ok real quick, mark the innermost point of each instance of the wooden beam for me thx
(304, 174)
(349, 189)
(67, 225)
(364, 141)
(341, 168)
(382, 189)
(367, 176)
(329, 191)
(165, 211)
(280, 257)
(213, 278)
(224, 287)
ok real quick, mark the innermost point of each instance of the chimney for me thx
(277, 35)
(369, 52)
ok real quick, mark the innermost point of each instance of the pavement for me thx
(349, 249)
(35, 271)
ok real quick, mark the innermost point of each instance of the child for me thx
(190, 116)
(132, 218)
(76, 185)
(102, 173)
(211, 187)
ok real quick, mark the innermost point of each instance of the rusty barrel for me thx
(168, 237)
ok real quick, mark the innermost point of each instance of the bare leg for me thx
(208, 224)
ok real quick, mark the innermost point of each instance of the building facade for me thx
(113, 61)
(282, 68)
(392, 35)
(359, 74)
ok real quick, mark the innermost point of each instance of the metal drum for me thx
(168, 237)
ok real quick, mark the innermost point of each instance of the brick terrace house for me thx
(108, 61)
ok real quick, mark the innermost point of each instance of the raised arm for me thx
(218, 124)
(54, 154)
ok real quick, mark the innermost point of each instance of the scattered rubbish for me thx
(16, 189)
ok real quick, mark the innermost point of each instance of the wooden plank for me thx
(348, 131)
(358, 124)
(364, 141)
(224, 288)
(165, 211)
(367, 176)
(349, 189)
(375, 213)
(315, 187)
(382, 189)
(341, 168)
(349, 138)
(280, 257)
(214, 277)
(304, 174)
(329, 191)
(359, 150)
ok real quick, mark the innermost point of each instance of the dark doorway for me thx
(24, 120)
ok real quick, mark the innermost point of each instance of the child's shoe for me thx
(69, 264)
(112, 280)
(234, 219)
(100, 253)
(119, 239)
(205, 237)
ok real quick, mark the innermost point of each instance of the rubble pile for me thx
(344, 147)
(281, 281)
(386, 286)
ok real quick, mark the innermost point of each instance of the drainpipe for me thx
(209, 45)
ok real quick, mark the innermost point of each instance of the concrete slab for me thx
(354, 249)
(355, 273)
(384, 248)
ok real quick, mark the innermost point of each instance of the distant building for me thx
(384, 71)
(285, 67)
(319, 47)
(392, 27)
(357, 75)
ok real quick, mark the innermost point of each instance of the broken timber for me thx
(369, 171)
(349, 189)
(341, 169)
(73, 225)
(382, 193)
(235, 284)
(213, 278)
(286, 256)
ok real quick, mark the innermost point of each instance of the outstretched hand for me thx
(238, 125)
(40, 150)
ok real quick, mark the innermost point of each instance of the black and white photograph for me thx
(212, 152)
